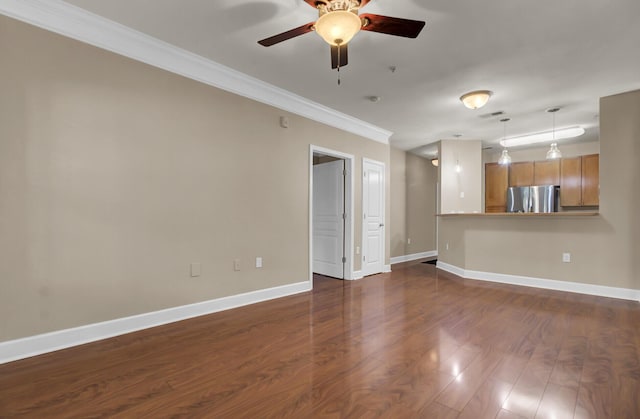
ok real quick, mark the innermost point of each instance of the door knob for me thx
(381, 225)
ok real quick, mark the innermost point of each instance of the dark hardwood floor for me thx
(416, 343)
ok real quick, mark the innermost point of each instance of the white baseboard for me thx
(550, 284)
(386, 268)
(357, 275)
(414, 256)
(14, 350)
(451, 269)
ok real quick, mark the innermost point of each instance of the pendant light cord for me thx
(505, 129)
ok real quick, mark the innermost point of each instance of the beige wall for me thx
(398, 202)
(115, 176)
(413, 204)
(604, 249)
(468, 181)
(422, 178)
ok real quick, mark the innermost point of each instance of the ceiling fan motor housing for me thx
(337, 5)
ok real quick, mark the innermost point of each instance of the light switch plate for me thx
(236, 264)
(566, 257)
(196, 269)
(258, 262)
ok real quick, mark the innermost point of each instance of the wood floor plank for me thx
(437, 411)
(557, 402)
(505, 414)
(466, 384)
(509, 369)
(487, 400)
(568, 368)
(594, 401)
(416, 342)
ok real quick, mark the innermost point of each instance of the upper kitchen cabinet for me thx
(580, 181)
(571, 182)
(591, 180)
(521, 174)
(546, 172)
(496, 181)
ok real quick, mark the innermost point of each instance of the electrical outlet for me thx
(357, 250)
(566, 257)
(258, 262)
(461, 194)
(236, 264)
(408, 241)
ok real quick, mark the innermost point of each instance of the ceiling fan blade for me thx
(301, 30)
(392, 25)
(339, 56)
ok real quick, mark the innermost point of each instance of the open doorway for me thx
(330, 213)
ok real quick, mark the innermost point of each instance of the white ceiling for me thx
(532, 54)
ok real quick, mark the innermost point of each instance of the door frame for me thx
(349, 161)
(385, 267)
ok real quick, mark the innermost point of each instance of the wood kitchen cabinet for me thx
(591, 180)
(521, 174)
(496, 182)
(546, 172)
(580, 181)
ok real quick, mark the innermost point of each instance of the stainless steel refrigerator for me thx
(543, 198)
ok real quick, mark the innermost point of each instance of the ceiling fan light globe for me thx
(338, 27)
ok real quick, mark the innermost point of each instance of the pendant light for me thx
(505, 158)
(553, 152)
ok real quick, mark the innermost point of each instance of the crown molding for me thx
(74, 22)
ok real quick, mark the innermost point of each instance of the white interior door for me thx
(373, 182)
(328, 219)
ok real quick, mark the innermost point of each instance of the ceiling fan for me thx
(338, 22)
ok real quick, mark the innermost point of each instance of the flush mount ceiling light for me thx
(543, 137)
(505, 158)
(476, 99)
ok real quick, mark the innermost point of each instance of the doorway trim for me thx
(349, 165)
